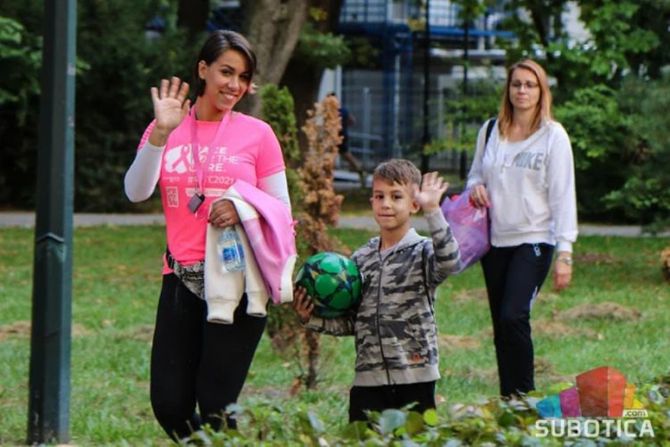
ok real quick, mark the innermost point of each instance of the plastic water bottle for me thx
(231, 250)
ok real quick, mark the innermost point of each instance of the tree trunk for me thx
(192, 15)
(273, 28)
(304, 82)
(544, 14)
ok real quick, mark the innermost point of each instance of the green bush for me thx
(20, 58)
(278, 110)
(645, 195)
(116, 64)
(113, 101)
(601, 136)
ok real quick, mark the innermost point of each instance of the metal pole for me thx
(425, 158)
(466, 54)
(463, 162)
(49, 399)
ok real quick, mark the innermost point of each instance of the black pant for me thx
(379, 398)
(193, 361)
(513, 278)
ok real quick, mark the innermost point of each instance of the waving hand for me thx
(170, 107)
(432, 189)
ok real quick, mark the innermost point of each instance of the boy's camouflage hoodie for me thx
(394, 325)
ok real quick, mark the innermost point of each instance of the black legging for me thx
(513, 278)
(193, 361)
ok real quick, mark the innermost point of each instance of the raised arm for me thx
(444, 256)
(170, 107)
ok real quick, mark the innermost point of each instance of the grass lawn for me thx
(617, 313)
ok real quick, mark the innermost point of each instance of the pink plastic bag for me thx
(470, 227)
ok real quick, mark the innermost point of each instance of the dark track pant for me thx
(379, 398)
(195, 362)
(513, 278)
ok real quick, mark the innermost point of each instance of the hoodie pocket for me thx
(404, 343)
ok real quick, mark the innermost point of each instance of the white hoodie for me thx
(531, 187)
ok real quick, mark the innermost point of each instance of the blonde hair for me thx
(398, 170)
(543, 108)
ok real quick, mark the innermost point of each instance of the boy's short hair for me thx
(398, 170)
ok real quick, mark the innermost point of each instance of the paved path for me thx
(362, 222)
(27, 220)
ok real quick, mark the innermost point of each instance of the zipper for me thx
(379, 336)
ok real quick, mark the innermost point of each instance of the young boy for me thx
(394, 325)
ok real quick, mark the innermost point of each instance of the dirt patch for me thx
(545, 370)
(143, 332)
(486, 333)
(471, 295)
(595, 258)
(552, 379)
(543, 366)
(547, 295)
(278, 393)
(479, 294)
(454, 342)
(79, 330)
(602, 311)
(16, 329)
(21, 329)
(482, 375)
(557, 329)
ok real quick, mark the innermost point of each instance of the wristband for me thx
(565, 260)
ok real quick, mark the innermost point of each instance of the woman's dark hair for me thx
(216, 44)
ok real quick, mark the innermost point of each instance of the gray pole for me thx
(49, 400)
(463, 162)
(425, 158)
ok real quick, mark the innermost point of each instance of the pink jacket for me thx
(271, 235)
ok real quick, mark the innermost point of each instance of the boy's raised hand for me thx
(432, 188)
(302, 304)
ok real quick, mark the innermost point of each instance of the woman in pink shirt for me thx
(194, 154)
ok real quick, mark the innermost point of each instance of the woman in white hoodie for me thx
(524, 173)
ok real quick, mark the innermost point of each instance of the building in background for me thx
(386, 95)
(387, 98)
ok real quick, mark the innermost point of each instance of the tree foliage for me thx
(116, 65)
(113, 101)
(645, 194)
(626, 43)
(602, 144)
(20, 59)
(321, 50)
(318, 48)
